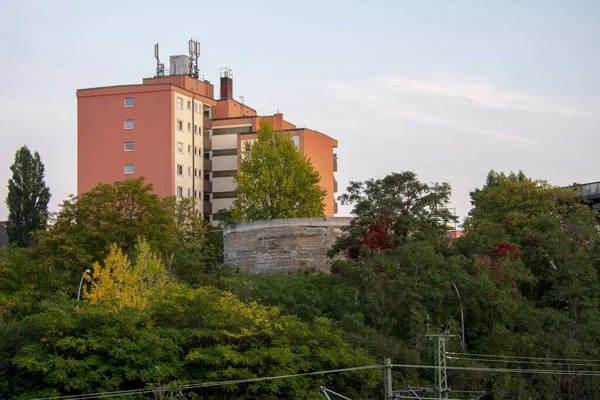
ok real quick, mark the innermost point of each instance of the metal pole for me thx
(388, 378)
(462, 317)
(441, 381)
(87, 271)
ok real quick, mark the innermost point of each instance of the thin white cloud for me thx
(503, 136)
(485, 94)
(384, 108)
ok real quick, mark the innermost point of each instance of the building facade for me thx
(172, 130)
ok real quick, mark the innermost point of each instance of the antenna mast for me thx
(160, 68)
(194, 49)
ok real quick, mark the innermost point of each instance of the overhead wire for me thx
(523, 357)
(121, 393)
(506, 360)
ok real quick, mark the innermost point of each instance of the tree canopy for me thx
(27, 198)
(275, 180)
(158, 310)
(391, 209)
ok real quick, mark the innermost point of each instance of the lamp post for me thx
(87, 271)
(462, 316)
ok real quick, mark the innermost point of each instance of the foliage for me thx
(27, 198)
(390, 210)
(88, 225)
(190, 335)
(120, 283)
(159, 310)
(199, 250)
(275, 181)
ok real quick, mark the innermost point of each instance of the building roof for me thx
(3, 234)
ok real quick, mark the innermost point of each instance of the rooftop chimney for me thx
(226, 83)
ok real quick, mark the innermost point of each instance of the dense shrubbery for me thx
(158, 309)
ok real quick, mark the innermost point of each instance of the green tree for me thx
(199, 249)
(275, 181)
(390, 210)
(86, 226)
(27, 198)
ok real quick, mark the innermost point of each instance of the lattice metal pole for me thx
(441, 378)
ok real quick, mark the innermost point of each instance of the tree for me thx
(390, 210)
(275, 180)
(27, 198)
(86, 226)
(120, 283)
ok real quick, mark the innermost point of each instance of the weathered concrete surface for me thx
(282, 244)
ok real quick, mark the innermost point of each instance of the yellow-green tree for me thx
(275, 180)
(118, 282)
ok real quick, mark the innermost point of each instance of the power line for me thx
(504, 360)
(203, 385)
(522, 357)
(361, 368)
(507, 370)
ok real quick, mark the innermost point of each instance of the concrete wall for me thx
(282, 244)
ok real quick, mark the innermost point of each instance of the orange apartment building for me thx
(173, 131)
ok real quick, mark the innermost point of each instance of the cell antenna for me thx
(160, 68)
(194, 49)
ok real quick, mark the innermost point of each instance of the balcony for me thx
(207, 186)
(207, 165)
(207, 208)
(334, 162)
(207, 143)
(207, 122)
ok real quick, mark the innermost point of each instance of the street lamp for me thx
(87, 271)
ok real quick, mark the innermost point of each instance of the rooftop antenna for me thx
(194, 48)
(160, 68)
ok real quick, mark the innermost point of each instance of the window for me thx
(189, 171)
(189, 127)
(195, 193)
(129, 124)
(189, 192)
(179, 147)
(207, 177)
(189, 105)
(207, 197)
(195, 150)
(195, 171)
(180, 103)
(189, 149)
(129, 168)
(179, 169)
(195, 107)
(179, 191)
(179, 125)
(195, 128)
(128, 146)
(128, 101)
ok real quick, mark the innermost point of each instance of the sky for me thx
(449, 90)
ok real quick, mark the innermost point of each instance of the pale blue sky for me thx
(449, 90)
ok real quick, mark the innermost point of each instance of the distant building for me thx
(455, 234)
(3, 234)
(174, 131)
(591, 192)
